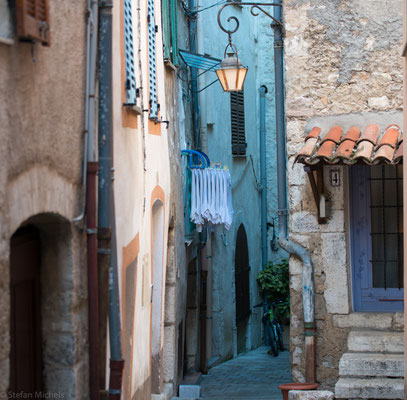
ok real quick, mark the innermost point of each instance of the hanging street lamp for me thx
(232, 73)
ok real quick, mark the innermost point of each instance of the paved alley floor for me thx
(254, 375)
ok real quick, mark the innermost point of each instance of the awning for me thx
(200, 61)
(358, 145)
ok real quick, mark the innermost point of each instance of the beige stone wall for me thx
(341, 57)
(42, 92)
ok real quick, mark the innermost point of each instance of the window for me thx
(6, 27)
(170, 31)
(130, 83)
(32, 18)
(377, 237)
(237, 121)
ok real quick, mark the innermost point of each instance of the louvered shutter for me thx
(152, 67)
(170, 31)
(238, 125)
(130, 85)
(33, 20)
(174, 32)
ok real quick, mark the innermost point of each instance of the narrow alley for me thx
(182, 181)
(254, 375)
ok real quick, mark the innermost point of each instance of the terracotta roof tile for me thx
(353, 147)
(329, 142)
(310, 143)
(334, 134)
(315, 131)
(352, 134)
(390, 136)
(345, 148)
(371, 133)
(364, 151)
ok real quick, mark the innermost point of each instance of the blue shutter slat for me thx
(152, 67)
(131, 92)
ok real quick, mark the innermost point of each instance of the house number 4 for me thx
(335, 177)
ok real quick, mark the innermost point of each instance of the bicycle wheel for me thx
(272, 339)
(279, 336)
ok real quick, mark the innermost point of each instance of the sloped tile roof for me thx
(354, 146)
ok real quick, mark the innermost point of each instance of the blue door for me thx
(376, 221)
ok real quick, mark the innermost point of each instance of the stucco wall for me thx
(42, 92)
(340, 58)
(216, 134)
(143, 182)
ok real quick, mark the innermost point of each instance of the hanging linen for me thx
(211, 198)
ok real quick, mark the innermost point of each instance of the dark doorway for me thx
(25, 313)
(242, 280)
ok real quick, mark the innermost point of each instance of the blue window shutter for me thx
(152, 67)
(130, 84)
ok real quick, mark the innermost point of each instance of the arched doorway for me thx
(25, 312)
(242, 287)
(48, 308)
(157, 237)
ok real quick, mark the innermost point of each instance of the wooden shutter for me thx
(130, 85)
(174, 32)
(166, 15)
(33, 20)
(238, 125)
(170, 31)
(152, 65)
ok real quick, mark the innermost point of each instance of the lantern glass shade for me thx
(231, 74)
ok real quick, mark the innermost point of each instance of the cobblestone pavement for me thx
(254, 375)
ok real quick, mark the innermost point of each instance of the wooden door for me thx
(242, 276)
(25, 316)
(377, 237)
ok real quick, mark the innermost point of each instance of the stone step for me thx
(371, 364)
(376, 342)
(310, 395)
(373, 388)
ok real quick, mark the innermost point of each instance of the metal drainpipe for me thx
(106, 204)
(263, 173)
(91, 51)
(291, 247)
(194, 78)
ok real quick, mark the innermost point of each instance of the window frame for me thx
(365, 297)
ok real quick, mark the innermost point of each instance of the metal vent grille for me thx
(152, 68)
(130, 84)
(238, 125)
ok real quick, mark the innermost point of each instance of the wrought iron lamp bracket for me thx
(255, 10)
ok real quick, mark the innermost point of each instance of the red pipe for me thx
(115, 384)
(93, 300)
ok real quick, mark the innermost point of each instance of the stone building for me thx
(44, 308)
(343, 80)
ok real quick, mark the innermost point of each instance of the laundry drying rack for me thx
(207, 193)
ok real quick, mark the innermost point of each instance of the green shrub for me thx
(274, 283)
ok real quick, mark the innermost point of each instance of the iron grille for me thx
(386, 211)
(238, 123)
